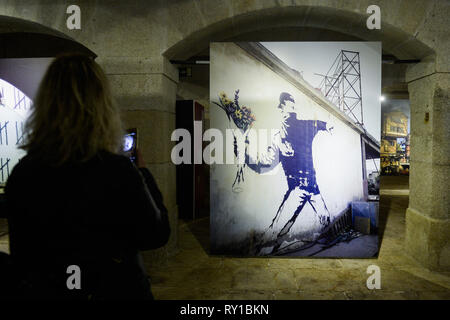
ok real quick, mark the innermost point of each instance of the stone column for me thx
(145, 90)
(428, 216)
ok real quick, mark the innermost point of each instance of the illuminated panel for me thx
(14, 110)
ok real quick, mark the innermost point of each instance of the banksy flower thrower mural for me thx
(292, 194)
(292, 147)
(242, 118)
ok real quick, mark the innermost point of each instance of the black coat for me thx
(96, 215)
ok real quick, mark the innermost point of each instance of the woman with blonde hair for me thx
(78, 211)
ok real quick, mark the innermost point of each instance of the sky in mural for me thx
(311, 58)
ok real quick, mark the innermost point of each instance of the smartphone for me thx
(130, 144)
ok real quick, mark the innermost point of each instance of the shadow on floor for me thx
(383, 212)
(387, 202)
(200, 229)
(3, 227)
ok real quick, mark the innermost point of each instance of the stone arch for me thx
(326, 22)
(29, 47)
(24, 39)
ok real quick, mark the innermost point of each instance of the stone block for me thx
(143, 91)
(214, 10)
(184, 48)
(421, 143)
(134, 28)
(433, 32)
(354, 22)
(420, 90)
(430, 92)
(396, 42)
(138, 65)
(426, 67)
(154, 132)
(428, 189)
(246, 6)
(439, 192)
(427, 240)
(441, 129)
(410, 15)
(184, 16)
(443, 58)
(430, 138)
(410, 48)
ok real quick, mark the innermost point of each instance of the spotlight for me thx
(382, 98)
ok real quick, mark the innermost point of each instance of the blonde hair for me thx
(73, 115)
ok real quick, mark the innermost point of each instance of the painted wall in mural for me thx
(14, 110)
(298, 167)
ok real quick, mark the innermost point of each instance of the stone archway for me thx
(249, 25)
(26, 39)
(28, 48)
(427, 220)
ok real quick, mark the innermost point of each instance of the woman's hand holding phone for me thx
(140, 163)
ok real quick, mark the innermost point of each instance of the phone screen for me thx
(130, 144)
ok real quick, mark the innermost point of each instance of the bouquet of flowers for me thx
(241, 115)
(243, 118)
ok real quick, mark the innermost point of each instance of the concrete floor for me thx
(193, 274)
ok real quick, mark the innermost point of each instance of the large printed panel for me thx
(293, 166)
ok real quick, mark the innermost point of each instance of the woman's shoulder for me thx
(115, 165)
(24, 164)
(105, 168)
(24, 169)
(103, 159)
(111, 157)
(106, 158)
